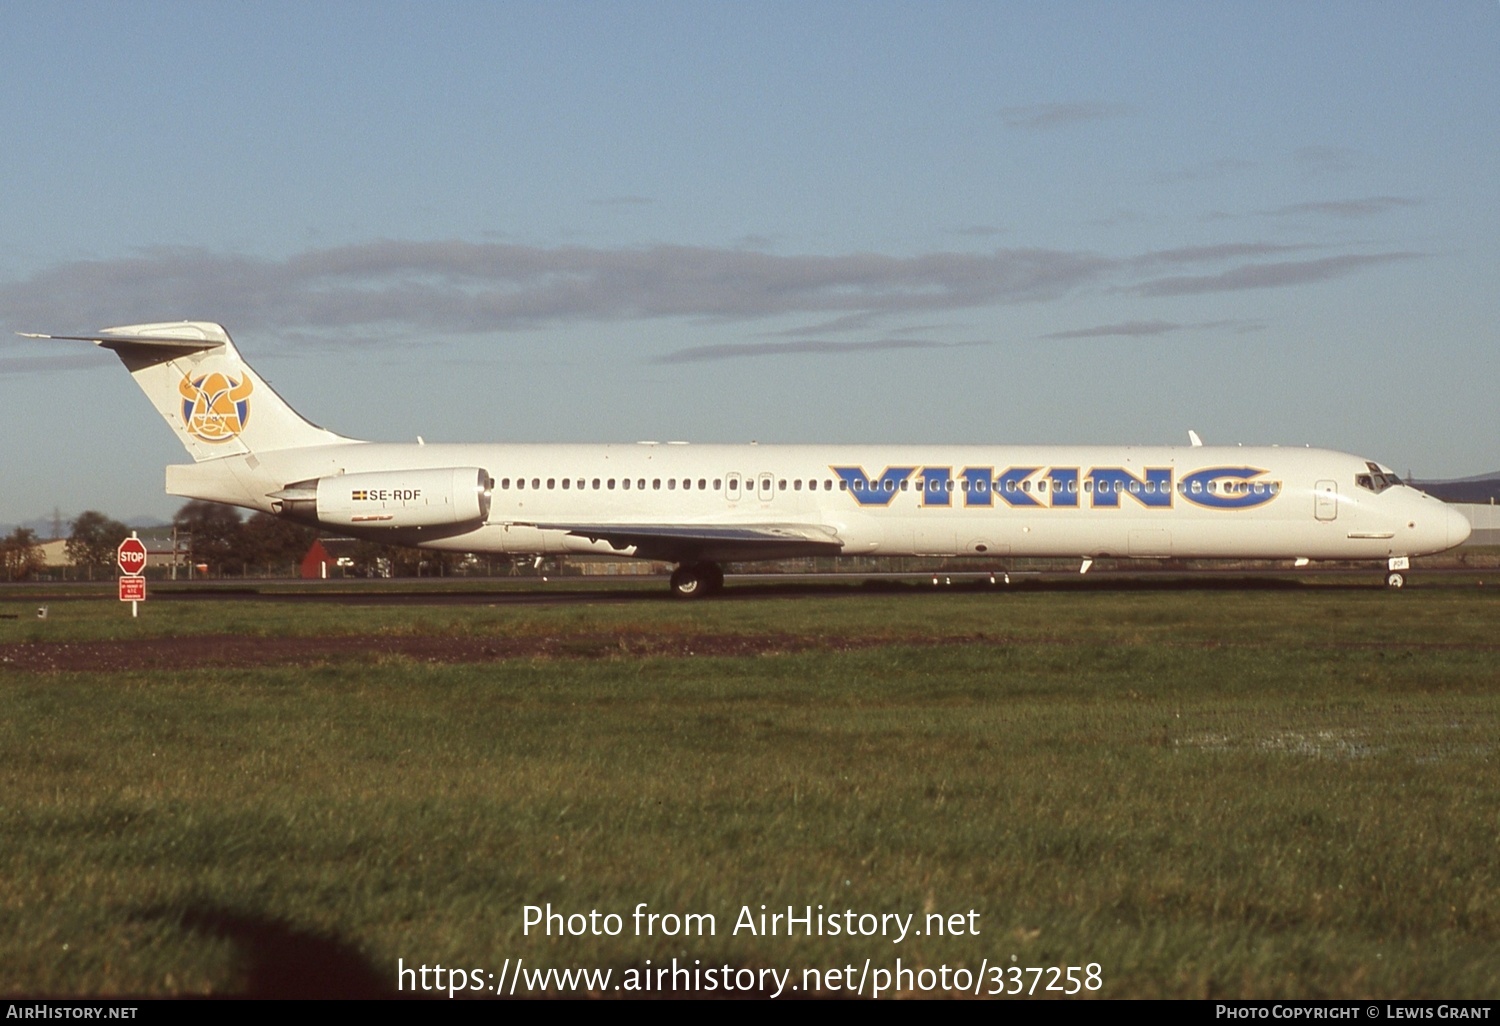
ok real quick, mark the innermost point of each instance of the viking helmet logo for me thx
(215, 407)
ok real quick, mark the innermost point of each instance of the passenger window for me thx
(656, 484)
(611, 484)
(566, 482)
(625, 484)
(703, 484)
(551, 483)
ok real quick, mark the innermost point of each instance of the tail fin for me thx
(209, 396)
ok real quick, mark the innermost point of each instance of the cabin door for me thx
(1326, 500)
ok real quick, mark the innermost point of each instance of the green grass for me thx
(1458, 613)
(1207, 793)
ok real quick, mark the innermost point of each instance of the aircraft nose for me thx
(1459, 527)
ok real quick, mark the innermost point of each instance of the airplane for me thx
(701, 506)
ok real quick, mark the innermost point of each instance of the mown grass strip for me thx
(1312, 818)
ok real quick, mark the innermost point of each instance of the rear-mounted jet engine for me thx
(440, 497)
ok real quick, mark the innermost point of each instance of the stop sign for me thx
(131, 556)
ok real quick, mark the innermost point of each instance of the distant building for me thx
(317, 563)
(328, 557)
(55, 553)
(1485, 517)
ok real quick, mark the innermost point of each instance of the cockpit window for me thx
(1376, 481)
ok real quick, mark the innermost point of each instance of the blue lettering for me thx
(1111, 482)
(1064, 486)
(873, 493)
(937, 486)
(977, 490)
(1009, 485)
(1228, 488)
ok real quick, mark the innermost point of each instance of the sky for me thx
(808, 221)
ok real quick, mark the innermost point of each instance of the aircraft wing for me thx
(689, 543)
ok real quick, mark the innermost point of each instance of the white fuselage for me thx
(977, 500)
(703, 505)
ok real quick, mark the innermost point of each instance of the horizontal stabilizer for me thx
(169, 347)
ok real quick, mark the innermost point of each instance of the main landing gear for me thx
(696, 580)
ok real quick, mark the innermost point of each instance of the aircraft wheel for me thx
(688, 581)
(695, 580)
(1395, 579)
(712, 576)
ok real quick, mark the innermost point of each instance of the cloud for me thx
(1132, 329)
(737, 350)
(1268, 276)
(1044, 116)
(385, 290)
(1216, 253)
(1347, 209)
(484, 287)
(836, 326)
(1147, 329)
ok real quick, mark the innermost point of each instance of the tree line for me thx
(216, 535)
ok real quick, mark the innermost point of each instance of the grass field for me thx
(1207, 792)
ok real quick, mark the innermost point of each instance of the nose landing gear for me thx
(1396, 568)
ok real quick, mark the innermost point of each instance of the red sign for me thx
(131, 556)
(132, 589)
